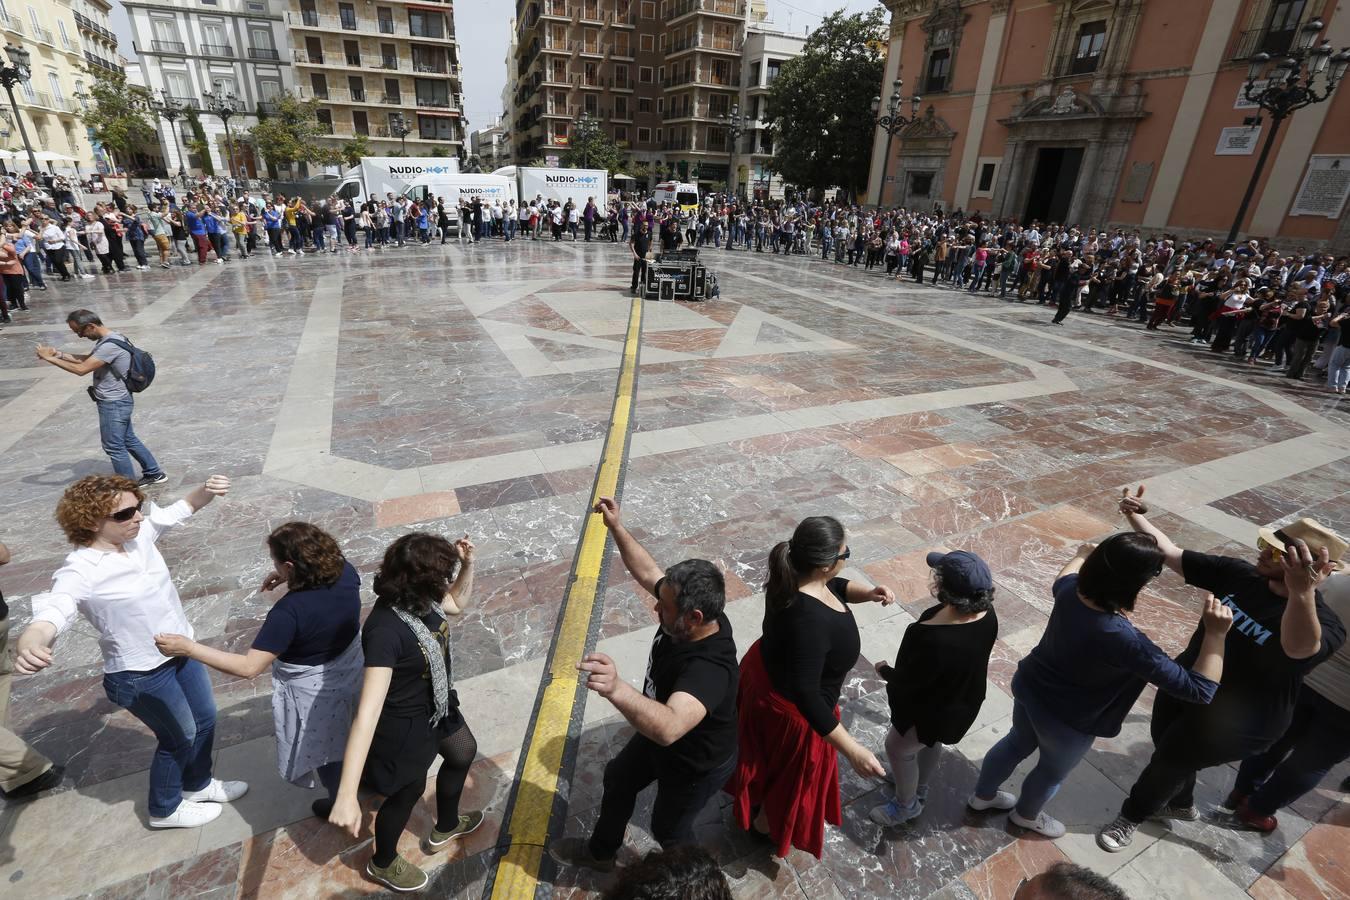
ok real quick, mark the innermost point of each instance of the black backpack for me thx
(141, 370)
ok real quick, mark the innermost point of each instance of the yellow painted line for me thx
(550, 741)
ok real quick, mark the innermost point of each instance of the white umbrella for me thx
(52, 156)
(6, 154)
(619, 176)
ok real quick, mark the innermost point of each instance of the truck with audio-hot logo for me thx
(577, 185)
(384, 175)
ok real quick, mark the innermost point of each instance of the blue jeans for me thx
(1033, 728)
(120, 441)
(174, 701)
(1317, 740)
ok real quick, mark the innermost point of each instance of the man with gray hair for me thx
(685, 715)
(109, 362)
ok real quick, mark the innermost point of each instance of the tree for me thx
(353, 150)
(291, 134)
(117, 114)
(591, 148)
(198, 144)
(820, 105)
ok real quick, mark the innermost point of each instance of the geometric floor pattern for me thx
(456, 390)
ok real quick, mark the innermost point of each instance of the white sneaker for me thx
(1001, 800)
(218, 792)
(1042, 824)
(143, 268)
(188, 815)
(220, 262)
(86, 275)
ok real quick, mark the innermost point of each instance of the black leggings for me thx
(458, 751)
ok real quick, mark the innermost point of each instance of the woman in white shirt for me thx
(117, 579)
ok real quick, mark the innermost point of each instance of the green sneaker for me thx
(467, 822)
(399, 875)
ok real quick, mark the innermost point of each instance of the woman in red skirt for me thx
(786, 784)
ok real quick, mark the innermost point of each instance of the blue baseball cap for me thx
(963, 572)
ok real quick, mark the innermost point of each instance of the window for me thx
(357, 86)
(269, 90)
(177, 85)
(260, 37)
(1088, 48)
(620, 134)
(214, 37)
(661, 42)
(920, 184)
(435, 128)
(385, 17)
(347, 15)
(432, 93)
(592, 104)
(352, 51)
(61, 27)
(771, 70)
(658, 135)
(621, 76)
(939, 71)
(661, 104)
(360, 123)
(661, 74)
(424, 24)
(392, 92)
(1282, 26)
(621, 108)
(55, 83)
(647, 9)
(754, 74)
(224, 85)
(647, 42)
(645, 74)
(644, 135)
(987, 176)
(644, 104)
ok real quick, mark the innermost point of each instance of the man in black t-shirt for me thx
(640, 244)
(1281, 630)
(685, 715)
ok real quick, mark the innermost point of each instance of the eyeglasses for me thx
(845, 555)
(126, 515)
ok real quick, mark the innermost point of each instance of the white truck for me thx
(577, 185)
(383, 175)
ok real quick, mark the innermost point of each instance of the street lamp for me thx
(17, 72)
(170, 109)
(585, 129)
(891, 123)
(734, 125)
(224, 105)
(399, 128)
(1289, 86)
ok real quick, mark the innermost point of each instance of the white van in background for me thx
(679, 193)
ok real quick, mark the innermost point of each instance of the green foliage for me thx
(440, 150)
(292, 134)
(591, 148)
(353, 150)
(820, 106)
(198, 146)
(118, 114)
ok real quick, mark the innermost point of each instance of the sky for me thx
(484, 26)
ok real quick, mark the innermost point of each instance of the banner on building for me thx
(1326, 185)
(1238, 141)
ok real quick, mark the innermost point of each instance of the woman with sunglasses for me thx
(117, 579)
(1088, 670)
(309, 641)
(786, 784)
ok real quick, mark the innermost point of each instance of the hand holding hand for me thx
(31, 660)
(608, 508)
(1304, 569)
(217, 485)
(346, 814)
(601, 674)
(465, 548)
(173, 644)
(880, 665)
(1216, 617)
(1133, 506)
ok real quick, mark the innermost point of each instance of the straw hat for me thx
(1315, 535)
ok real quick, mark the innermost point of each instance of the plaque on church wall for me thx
(1242, 102)
(1238, 141)
(1136, 183)
(1326, 185)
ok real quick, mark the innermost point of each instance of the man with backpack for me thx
(119, 369)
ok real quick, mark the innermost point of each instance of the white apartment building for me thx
(488, 144)
(186, 48)
(764, 53)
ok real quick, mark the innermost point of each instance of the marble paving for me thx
(467, 390)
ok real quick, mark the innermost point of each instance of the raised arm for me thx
(1134, 509)
(215, 486)
(1300, 629)
(457, 598)
(636, 559)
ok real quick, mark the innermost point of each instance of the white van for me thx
(683, 195)
(451, 188)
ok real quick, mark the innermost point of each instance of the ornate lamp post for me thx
(1289, 85)
(170, 110)
(398, 127)
(734, 125)
(224, 105)
(891, 122)
(17, 72)
(584, 130)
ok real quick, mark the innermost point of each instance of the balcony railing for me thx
(169, 47)
(43, 34)
(427, 68)
(391, 99)
(38, 98)
(224, 50)
(14, 24)
(99, 62)
(1259, 40)
(307, 19)
(185, 102)
(717, 7)
(263, 53)
(90, 25)
(436, 102)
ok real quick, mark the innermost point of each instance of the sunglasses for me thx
(845, 555)
(126, 515)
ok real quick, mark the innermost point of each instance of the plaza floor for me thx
(461, 390)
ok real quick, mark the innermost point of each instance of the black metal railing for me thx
(263, 53)
(218, 50)
(167, 47)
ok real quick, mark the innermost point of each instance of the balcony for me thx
(221, 50)
(14, 24)
(1260, 40)
(554, 9)
(309, 20)
(590, 84)
(622, 84)
(99, 62)
(38, 98)
(268, 53)
(391, 99)
(175, 47)
(732, 8)
(43, 34)
(436, 102)
(183, 102)
(93, 27)
(588, 49)
(430, 68)
(710, 42)
(268, 107)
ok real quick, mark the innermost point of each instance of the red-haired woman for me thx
(786, 783)
(309, 640)
(117, 579)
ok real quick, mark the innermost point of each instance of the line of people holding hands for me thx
(371, 705)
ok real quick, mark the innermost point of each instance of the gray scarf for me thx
(431, 649)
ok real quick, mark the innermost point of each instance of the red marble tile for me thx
(998, 877)
(1316, 867)
(421, 508)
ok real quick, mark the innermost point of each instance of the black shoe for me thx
(322, 808)
(575, 852)
(44, 782)
(148, 480)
